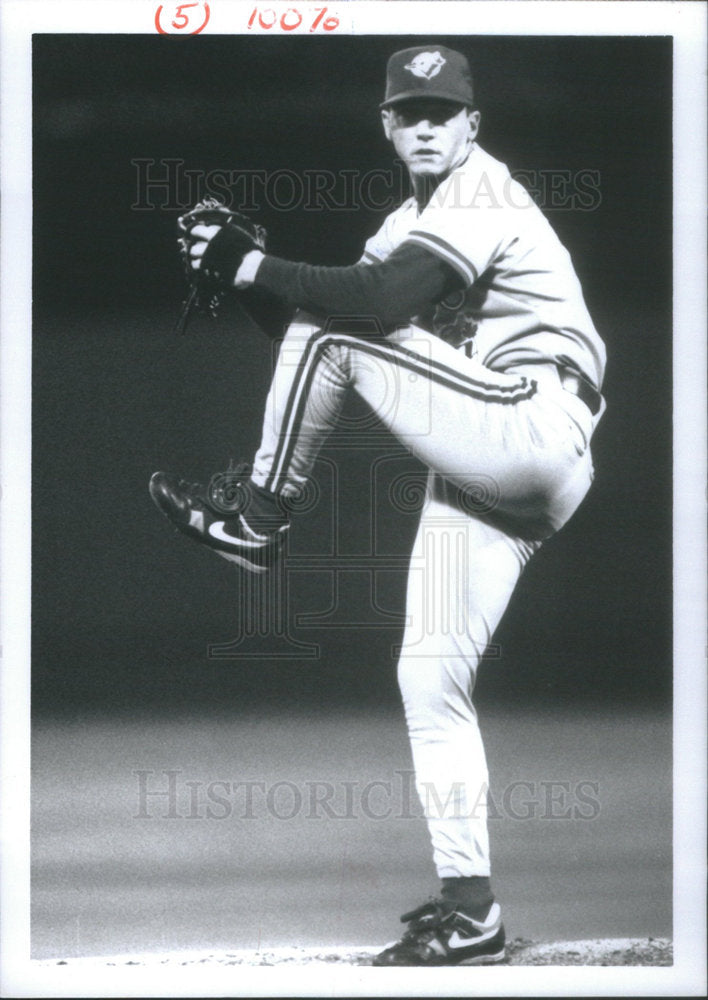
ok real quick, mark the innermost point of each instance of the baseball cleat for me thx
(439, 934)
(223, 517)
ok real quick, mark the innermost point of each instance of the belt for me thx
(577, 385)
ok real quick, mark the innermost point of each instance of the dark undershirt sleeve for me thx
(395, 290)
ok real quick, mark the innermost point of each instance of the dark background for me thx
(123, 610)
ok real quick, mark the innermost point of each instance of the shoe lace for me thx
(227, 491)
(425, 920)
(193, 491)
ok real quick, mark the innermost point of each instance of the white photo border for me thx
(686, 22)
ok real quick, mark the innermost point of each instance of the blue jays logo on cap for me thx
(428, 71)
(427, 64)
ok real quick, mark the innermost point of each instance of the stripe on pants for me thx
(396, 354)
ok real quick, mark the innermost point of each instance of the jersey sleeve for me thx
(469, 223)
(382, 244)
(377, 247)
(369, 256)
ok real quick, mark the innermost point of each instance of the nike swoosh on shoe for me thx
(217, 531)
(455, 941)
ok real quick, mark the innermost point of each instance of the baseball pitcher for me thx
(483, 339)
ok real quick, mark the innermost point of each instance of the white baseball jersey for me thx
(522, 300)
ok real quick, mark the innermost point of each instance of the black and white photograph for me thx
(353, 539)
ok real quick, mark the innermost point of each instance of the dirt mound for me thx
(603, 951)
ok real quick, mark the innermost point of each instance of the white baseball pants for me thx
(510, 462)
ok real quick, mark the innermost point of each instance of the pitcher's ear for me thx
(474, 118)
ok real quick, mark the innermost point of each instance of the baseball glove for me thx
(222, 258)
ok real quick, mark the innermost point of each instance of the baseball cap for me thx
(428, 71)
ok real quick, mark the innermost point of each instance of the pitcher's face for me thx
(430, 135)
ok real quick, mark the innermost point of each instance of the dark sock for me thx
(473, 894)
(264, 510)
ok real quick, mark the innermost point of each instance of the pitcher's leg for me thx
(462, 574)
(473, 425)
(305, 398)
(483, 431)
